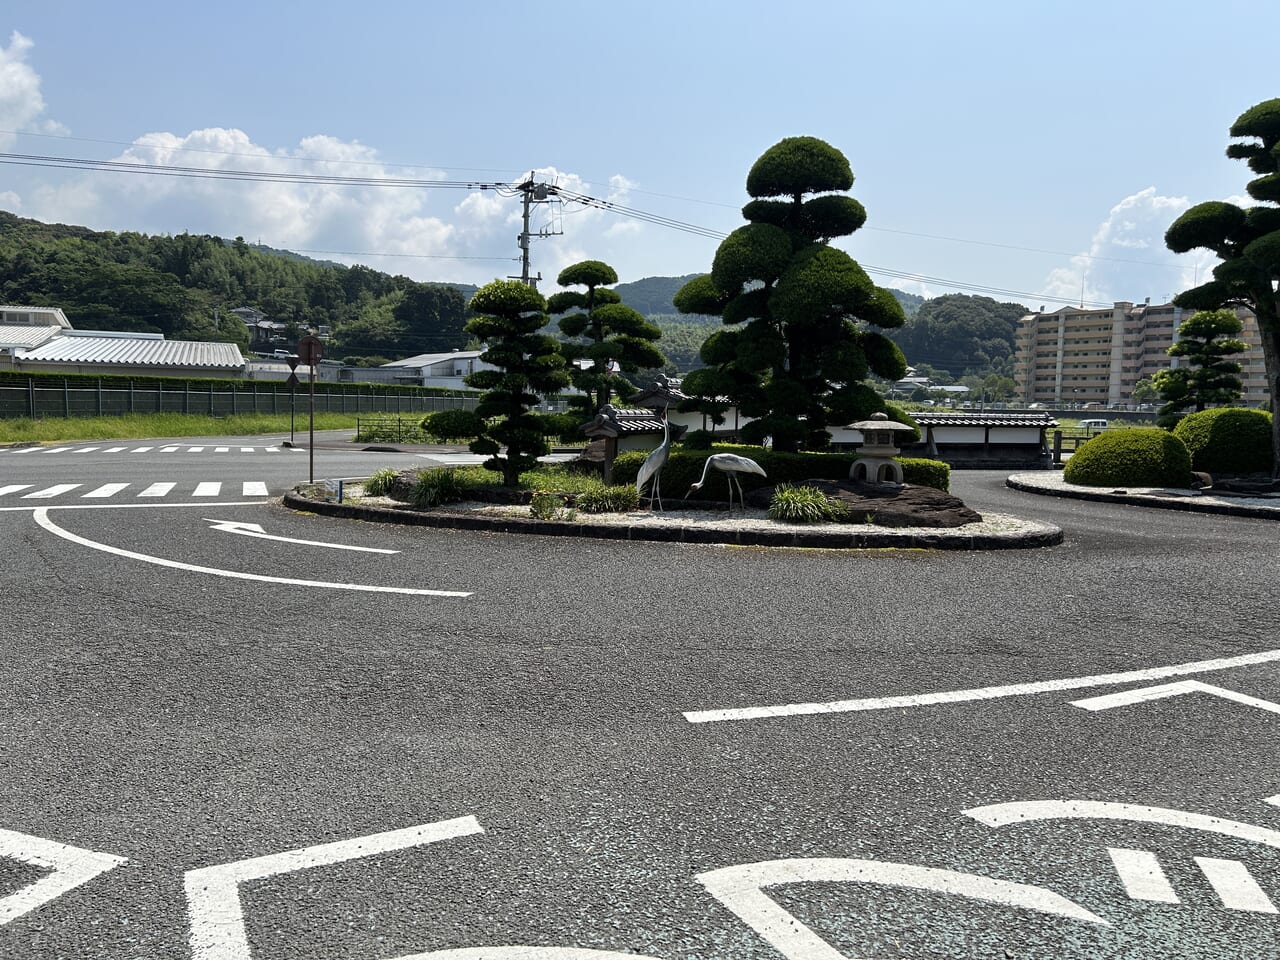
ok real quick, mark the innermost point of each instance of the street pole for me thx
(311, 443)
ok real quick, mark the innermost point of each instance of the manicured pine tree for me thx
(792, 355)
(509, 316)
(1206, 340)
(603, 330)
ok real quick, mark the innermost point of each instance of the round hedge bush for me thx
(1230, 440)
(1139, 457)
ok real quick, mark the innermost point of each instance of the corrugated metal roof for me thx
(25, 336)
(134, 352)
(426, 359)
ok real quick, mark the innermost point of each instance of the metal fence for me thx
(43, 399)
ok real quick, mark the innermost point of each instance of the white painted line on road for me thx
(213, 893)
(246, 449)
(1145, 694)
(1235, 886)
(157, 490)
(13, 488)
(509, 952)
(47, 492)
(741, 890)
(1029, 811)
(982, 693)
(221, 449)
(86, 450)
(1142, 875)
(255, 530)
(168, 449)
(107, 490)
(113, 450)
(1274, 801)
(195, 449)
(209, 488)
(144, 449)
(56, 449)
(254, 488)
(70, 866)
(26, 450)
(41, 516)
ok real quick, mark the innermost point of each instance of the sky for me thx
(1033, 151)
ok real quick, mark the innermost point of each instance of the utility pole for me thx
(532, 193)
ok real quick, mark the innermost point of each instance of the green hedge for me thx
(685, 468)
(1231, 440)
(1139, 456)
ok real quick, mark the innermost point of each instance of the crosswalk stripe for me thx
(210, 488)
(1142, 875)
(273, 449)
(195, 449)
(221, 449)
(1234, 885)
(246, 449)
(86, 450)
(141, 449)
(168, 449)
(157, 490)
(254, 488)
(54, 491)
(57, 449)
(113, 450)
(13, 488)
(27, 450)
(107, 490)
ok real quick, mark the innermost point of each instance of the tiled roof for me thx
(134, 351)
(984, 419)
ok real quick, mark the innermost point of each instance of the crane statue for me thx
(730, 464)
(653, 464)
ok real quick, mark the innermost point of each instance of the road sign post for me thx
(310, 351)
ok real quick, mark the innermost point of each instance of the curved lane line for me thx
(981, 693)
(42, 517)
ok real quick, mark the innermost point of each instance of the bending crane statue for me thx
(730, 464)
(653, 464)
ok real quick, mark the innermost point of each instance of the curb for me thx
(1186, 504)
(1044, 536)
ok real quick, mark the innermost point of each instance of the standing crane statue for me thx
(730, 464)
(653, 464)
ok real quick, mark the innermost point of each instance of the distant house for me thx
(41, 340)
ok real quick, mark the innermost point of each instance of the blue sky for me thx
(1050, 144)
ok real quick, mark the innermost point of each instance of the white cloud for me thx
(21, 104)
(10, 200)
(1127, 258)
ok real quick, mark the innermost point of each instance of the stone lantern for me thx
(876, 463)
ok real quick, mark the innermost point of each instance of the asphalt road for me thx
(552, 745)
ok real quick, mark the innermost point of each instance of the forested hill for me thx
(961, 334)
(184, 287)
(653, 295)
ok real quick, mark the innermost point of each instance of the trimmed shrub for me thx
(802, 504)
(1231, 440)
(453, 425)
(1139, 456)
(684, 468)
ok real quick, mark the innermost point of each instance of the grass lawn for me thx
(141, 426)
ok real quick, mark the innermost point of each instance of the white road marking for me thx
(70, 866)
(254, 488)
(525, 953)
(107, 490)
(246, 449)
(1274, 801)
(982, 693)
(741, 890)
(1142, 875)
(213, 893)
(13, 488)
(209, 488)
(86, 450)
(1235, 886)
(41, 516)
(27, 450)
(195, 449)
(168, 449)
(57, 449)
(157, 490)
(272, 449)
(221, 449)
(1029, 811)
(143, 449)
(47, 492)
(255, 530)
(113, 450)
(1144, 694)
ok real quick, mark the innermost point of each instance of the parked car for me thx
(1093, 426)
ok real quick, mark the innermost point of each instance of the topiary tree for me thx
(1248, 242)
(1139, 456)
(510, 314)
(1207, 340)
(606, 332)
(1230, 440)
(792, 355)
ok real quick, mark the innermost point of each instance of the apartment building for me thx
(1075, 356)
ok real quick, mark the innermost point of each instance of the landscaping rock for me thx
(887, 505)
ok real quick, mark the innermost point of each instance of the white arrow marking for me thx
(255, 530)
(71, 867)
(1144, 694)
(213, 893)
(41, 515)
(741, 889)
(980, 693)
